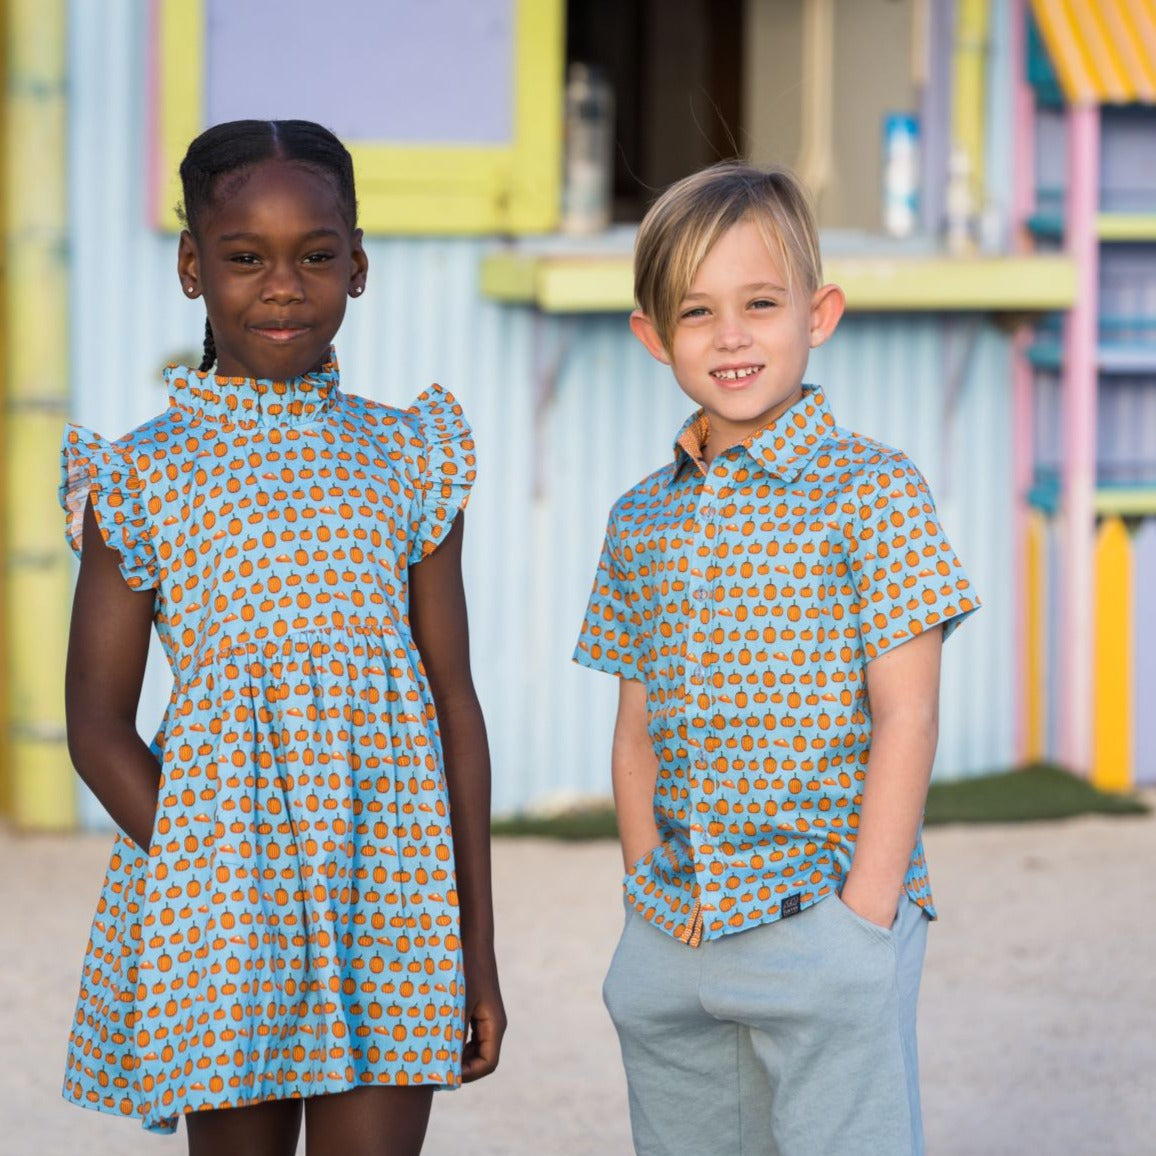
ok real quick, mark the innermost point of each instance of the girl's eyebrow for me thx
(312, 235)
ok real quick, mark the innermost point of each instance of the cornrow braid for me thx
(210, 356)
(229, 149)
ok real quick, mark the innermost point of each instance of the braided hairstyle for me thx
(218, 162)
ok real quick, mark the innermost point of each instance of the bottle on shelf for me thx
(959, 204)
(900, 175)
(589, 153)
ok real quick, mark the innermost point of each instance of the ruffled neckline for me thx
(254, 401)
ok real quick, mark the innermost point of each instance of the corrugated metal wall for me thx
(567, 412)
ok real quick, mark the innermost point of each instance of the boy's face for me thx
(741, 341)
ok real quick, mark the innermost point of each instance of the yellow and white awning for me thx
(1104, 51)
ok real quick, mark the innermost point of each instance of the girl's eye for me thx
(244, 258)
(318, 258)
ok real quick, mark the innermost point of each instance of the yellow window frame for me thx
(438, 189)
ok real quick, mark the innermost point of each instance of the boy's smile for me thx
(276, 262)
(742, 338)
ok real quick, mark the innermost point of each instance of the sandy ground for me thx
(1038, 1017)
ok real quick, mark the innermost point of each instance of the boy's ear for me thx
(827, 305)
(643, 328)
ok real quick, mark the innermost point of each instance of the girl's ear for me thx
(644, 329)
(187, 265)
(360, 265)
(827, 305)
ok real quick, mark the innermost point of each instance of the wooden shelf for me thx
(1125, 501)
(592, 283)
(1112, 358)
(1109, 226)
(1126, 226)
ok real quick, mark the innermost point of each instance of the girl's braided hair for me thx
(232, 148)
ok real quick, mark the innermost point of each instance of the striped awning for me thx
(1104, 51)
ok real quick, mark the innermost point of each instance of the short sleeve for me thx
(906, 574)
(446, 469)
(93, 467)
(609, 638)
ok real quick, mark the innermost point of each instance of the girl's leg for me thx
(268, 1129)
(368, 1122)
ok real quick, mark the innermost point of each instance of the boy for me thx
(773, 602)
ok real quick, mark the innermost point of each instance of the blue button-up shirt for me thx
(749, 596)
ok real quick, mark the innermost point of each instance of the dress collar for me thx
(254, 401)
(782, 448)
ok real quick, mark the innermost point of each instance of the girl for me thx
(280, 921)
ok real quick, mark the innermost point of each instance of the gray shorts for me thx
(796, 1038)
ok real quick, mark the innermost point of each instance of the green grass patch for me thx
(581, 823)
(1037, 792)
(1023, 796)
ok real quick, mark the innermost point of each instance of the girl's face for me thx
(275, 261)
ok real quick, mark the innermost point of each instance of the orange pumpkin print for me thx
(749, 596)
(302, 834)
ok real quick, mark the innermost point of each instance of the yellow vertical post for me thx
(1035, 637)
(1112, 673)
(968, 89)
(38, 573)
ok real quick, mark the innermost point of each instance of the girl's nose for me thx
(283, 284)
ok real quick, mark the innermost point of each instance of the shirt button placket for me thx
(700, 615)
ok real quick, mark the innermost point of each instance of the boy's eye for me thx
(762, 303)
(696, 311)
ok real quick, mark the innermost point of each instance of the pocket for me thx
(885, 934)
(640, 865)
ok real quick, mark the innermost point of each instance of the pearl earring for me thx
(190, 290)
(357, 290)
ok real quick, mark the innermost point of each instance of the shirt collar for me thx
(782, 448)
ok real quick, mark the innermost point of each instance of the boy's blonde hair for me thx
(683, 225)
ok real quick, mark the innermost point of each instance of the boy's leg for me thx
(830, 1001)
(694, 1083)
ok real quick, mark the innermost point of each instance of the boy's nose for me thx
(731, 335)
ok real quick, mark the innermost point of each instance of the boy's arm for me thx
(634, 773)
(437, 611)
(903, 690)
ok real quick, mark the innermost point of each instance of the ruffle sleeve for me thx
(445, 468)
(96, 468)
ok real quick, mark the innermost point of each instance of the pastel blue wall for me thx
(555, 448)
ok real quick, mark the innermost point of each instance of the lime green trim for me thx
(534, 193)
(37, 577)
(1126, 226)
(1125, 501)
(180, 97)
(509, 188)
(573, 283)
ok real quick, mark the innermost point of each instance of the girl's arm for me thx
(903, 690)
(108, 645)
(634, 773)
(437, 613)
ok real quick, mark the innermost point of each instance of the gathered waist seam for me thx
(276, 647)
